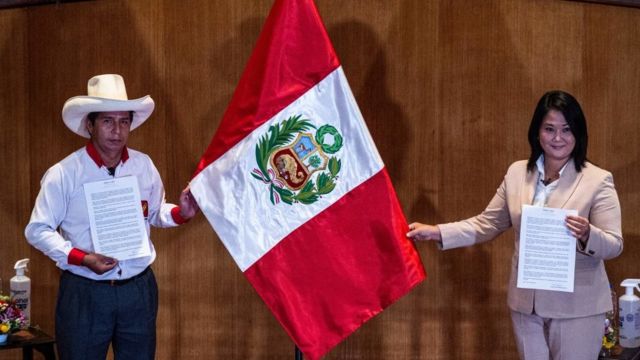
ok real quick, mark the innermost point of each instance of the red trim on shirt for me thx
(95, 156)
(76, 256)
(145, 208)
(175, 214)
(125, 155)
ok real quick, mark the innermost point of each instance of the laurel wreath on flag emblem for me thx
(295, 163)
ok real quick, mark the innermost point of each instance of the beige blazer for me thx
(592, 193)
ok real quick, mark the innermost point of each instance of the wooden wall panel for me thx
(447, 89)
(15, 199)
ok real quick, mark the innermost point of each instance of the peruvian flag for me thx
(294, 187)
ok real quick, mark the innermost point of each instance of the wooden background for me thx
(447, 88)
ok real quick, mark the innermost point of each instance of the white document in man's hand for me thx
(115, 214)
(547, 250)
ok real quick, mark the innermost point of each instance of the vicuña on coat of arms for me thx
(296, 164)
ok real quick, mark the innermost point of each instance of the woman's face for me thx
(556, 138)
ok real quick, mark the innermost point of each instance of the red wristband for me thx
(175, 214)
(76, 256)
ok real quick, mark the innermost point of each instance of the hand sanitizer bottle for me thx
(630, 315)
(21, 289)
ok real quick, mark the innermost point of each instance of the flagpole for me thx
(298, 354)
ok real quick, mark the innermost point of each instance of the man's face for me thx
(110, 130)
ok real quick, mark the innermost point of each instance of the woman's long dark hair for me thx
(569, 107)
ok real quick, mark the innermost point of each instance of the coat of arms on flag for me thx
(289, 167)
(294, 187)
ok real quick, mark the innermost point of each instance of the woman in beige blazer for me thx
(552, 324)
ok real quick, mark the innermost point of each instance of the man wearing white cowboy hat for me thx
(101, 300)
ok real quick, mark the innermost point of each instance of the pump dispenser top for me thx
(21, 267)
(629, 284)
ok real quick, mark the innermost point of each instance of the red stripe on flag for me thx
(292, 55)
(340, 268)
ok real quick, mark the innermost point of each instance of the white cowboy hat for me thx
(105, 93)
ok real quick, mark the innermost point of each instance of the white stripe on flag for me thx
(238, 205)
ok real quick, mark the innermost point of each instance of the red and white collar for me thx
(93, 153)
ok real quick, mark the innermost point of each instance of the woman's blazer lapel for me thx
(567, 186)
(529, 187)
